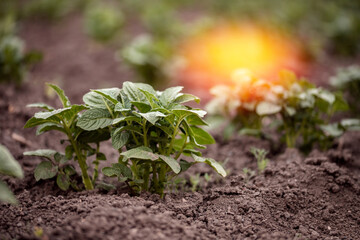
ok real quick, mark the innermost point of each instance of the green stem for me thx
(146, 144)
(182, 148)
(145, 186)
(96, 163)
(108, 107)
(173, 136)
(82, 162)
(162, 179)
(155, 179)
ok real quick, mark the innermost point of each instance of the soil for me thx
(296, 197)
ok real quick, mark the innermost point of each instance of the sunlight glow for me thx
(213, 55)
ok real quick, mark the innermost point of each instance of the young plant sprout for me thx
(260, 155)
(78, 141)
(152, 130)
(303, 110)
(8, 167)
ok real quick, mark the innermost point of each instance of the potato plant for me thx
(78, 141)
(302, 110)
(244, 103)
(147, 57)
(152, 130)
(13, 61)
(8, 167)
(103, 22)
(348, 81)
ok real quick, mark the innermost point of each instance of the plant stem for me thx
(162, 179)
(173, 136)
(96, 163)
(155, 179)
(145, 186)
(82, 162)
(146, 144)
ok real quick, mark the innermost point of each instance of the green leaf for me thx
(105, 186)
(214, 164)
(47, 115)
(169, 95)
(340, 104)
(6, 195)
(250, 132)
(72, 113)
(185, 165)
(111, 172)
(8, 165)
(32, 122)
(173, 164)
(110, 94)
(119, 107)
(60, 158)
(182, 113)
(63, 98)
(63, 181)
(267, 108)
(152, 99)
(69, 170)
(326, 96)
(290, 110)
(183, 98)
(69, 152)
(46, 153)
(196, 120)
(127, 118)
(94, 119)
(96, 100)
(332, 130)
(118, 170)
(125, 171)
(48, 126)
(140, 153)
(189, 151)
(119, 138)
(45, 170)
(100, 156)
(350, 122)
(145, 87)
(201, 136)
(133, 93)
(95, 136)
(141, 106)
(40, 105)
(152, 117)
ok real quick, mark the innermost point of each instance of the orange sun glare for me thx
(211, 57)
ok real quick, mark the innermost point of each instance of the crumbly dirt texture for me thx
(296, 197)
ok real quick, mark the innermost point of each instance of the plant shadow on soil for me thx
(297, 197)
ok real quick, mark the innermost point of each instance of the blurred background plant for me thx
(348, 80)
(320, 28)
(103, 21)
(301, 111)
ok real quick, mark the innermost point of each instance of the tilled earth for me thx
(297, 197)
(314, 197)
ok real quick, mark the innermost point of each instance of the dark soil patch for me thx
(297, 197)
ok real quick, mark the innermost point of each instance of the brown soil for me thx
(297, 197)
